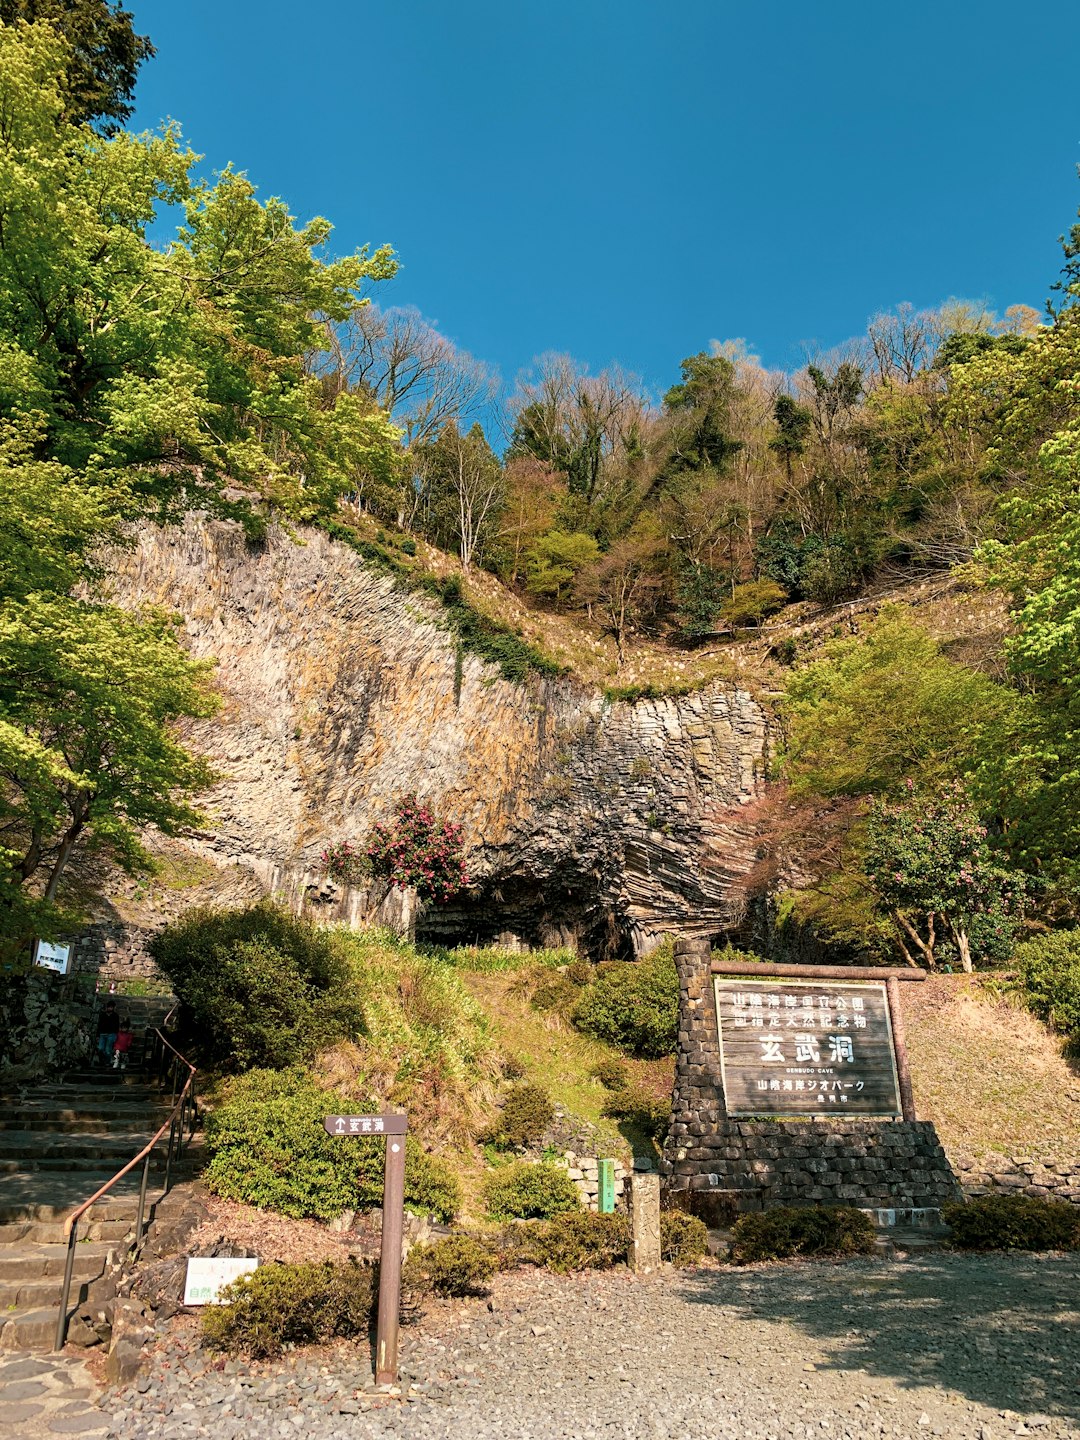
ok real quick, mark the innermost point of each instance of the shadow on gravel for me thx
(1002, 1330)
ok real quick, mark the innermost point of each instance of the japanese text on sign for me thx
(806, 1048)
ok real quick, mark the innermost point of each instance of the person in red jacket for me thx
(124, 1036)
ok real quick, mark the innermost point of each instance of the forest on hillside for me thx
(923, 808)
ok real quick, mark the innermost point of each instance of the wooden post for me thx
(393, 1224)
(645, 1212)
(393, 1128)
(903, 1072)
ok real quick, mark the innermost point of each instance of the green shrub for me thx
(683, 1238)
(1049, 971)
(633, 1006)
(612, 1073)
(1013, 1222)
(753, 602)
(788, 1230)
(584, 1240)
(458, 1265)
(557, 993)
(526, 1113)
(524, 1191)
(268, 1148)
(257, 986)
(577, 1240)
(279, 1305)
(640, 1109)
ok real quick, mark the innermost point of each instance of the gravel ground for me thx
(943, 1345)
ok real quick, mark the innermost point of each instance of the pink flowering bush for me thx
(418, 850)
(344, 863)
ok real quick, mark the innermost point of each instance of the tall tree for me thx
(104, 55)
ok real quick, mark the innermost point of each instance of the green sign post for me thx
(606, 1191)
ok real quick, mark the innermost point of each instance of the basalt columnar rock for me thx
(607, 824)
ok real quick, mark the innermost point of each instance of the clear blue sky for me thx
(629, 179)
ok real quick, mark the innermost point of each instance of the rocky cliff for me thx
(603, 823)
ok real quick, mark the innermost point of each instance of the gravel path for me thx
(944, 1345)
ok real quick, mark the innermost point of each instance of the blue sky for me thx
(629, 179)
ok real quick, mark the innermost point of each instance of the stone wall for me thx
(718, 1166)
(1048, 1177)
(586, 821)
(115, 949)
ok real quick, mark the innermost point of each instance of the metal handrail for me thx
(174, 1124)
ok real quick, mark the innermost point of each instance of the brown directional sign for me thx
(389, 1128)
(794, 1047)
(365, 1124)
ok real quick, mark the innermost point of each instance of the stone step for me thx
(83, 1121)
(39, 1195)
(39, 1262)
(32, 1294)
(28, 1329)
(26, 1145)
(54, 1232)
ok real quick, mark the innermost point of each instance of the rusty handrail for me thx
(176, 1140)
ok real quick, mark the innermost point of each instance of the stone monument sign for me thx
(795, 1047)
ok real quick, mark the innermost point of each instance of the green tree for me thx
(888, 705)
(104, 55)
(934, 873)
(554, 561)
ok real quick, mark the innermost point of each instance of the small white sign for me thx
(52, 956)
(208, 1275)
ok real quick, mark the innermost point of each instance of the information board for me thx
(804, 1047)
(208, 1275)
(51, 956)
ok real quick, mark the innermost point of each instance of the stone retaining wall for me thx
(717, 1166)
(114, 949)
(1048, 1177)
(584, 1170)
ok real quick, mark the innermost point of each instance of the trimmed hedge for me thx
(795, 1230)
(278, 1305)
(523, 1191)
(633, 1005)
(1013, 1222)
(268, 1148)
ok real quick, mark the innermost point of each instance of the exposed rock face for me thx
(585, 820)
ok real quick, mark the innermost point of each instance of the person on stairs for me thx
(124, 1036)
(107, 1027)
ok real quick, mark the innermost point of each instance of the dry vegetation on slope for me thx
(989, 1075)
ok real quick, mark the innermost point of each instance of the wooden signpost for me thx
(812, 1041)
(394, 1129)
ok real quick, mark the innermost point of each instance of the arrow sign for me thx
(365, 1125)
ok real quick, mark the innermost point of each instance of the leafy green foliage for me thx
(585, 1240)
(268, 1148)
(634, 1006)
(885, 707)
(932, 868)
(279, 1305)
(455, 1266)
(577, 1240)
(683, 1238)
(257, 987)
(103, 55)
(1049, 973)
(1013, 1222)
(420, 851)
(753, 602)
(526, 1113)
(789, 1230)
(526, 1191)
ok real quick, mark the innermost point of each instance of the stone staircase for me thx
(59, 1143)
